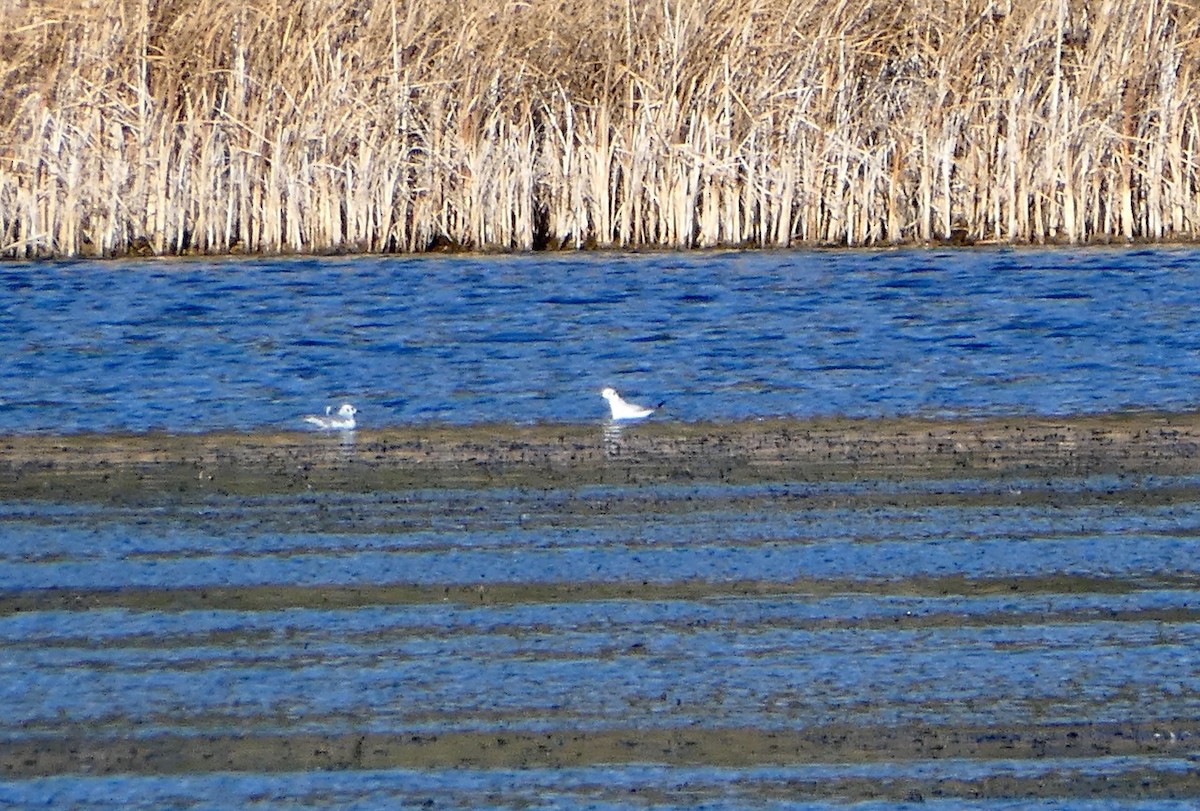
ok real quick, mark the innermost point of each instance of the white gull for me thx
(342, 420)
(622, 410)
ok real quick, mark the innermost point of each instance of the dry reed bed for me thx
(175, 126)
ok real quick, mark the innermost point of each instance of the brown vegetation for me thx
(175, 126)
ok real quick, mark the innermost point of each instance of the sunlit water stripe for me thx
(28, 543)
(655, 534)
(43, 633)
(248, 532)
(597, 788)
(760, 663)
(1081, 554)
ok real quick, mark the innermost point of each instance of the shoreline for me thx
(1044, 244)
(81, 466)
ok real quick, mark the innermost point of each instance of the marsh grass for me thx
(177, 126)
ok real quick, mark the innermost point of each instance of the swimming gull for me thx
(342, 420)
(622, 410)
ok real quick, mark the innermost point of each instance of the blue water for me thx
(206, 344)
(1091, 616)
(517, 537)
(596, 789)
(867, 644)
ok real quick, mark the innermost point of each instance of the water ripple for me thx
(208, 344)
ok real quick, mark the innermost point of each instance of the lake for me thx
(914, 528)
(197, 345)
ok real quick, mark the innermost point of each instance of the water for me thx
(754, 533)
(198, 345)
(961, 611)
(888, 641)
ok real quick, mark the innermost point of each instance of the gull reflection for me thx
(612, 438)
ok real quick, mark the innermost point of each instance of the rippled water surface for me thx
(873, 640)
(196, 345)
(965, 610)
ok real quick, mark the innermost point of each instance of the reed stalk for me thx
(208, 126)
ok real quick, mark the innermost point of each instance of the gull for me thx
(342, 420)
(622, 410)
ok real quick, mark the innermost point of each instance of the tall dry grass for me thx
(172, 126)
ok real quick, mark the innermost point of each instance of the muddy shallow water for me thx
(751, 614)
